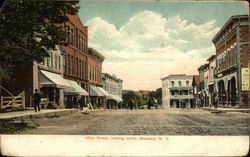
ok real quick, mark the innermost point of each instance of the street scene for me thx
(147, 68)
(145, 122)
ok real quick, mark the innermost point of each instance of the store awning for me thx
(114, 97)
(76, 90)
(94, 91)
(103, 91)
(119, 99)
(49, 79)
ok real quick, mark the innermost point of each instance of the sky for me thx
(145, 41)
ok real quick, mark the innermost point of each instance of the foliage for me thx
(157, 94)
(29, 28)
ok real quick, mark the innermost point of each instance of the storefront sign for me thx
(245, 79)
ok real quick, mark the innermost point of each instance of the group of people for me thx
(152, 102)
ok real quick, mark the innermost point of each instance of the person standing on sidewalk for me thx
(36, 100)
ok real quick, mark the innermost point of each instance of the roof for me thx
(196, 79)
(77, 21)
(211, 58)
(112, 76)
(179, 76)
(203, 66)
(96, 53)
(227, 23)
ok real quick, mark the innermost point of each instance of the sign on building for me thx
(245, 79)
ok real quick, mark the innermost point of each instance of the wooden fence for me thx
(13, 102)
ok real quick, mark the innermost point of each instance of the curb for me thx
(226, 110)
(39, 115)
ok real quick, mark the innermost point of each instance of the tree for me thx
(157, 94)
(29, 28)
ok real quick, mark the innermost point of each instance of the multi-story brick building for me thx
(97, 93)
(177, 91)
(76, 59)
(232, 61)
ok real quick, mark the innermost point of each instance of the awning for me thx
(94, 91)
(49, 79)
(103, 91)
(114, 97)
(76, 90)
(119, 99)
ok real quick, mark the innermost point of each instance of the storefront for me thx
(51, 89)
(96, 97)
(76, 96)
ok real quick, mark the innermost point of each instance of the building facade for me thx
(76, 58)
(211, 80)
(113, 86)
(97, 97)
(203, 89)
(232, 62)
(177, 91)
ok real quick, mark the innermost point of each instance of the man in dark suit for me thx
(36, 100)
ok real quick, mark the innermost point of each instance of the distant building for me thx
(113, 86)
(195, 84)
(203, 89)
(177, 91)
(211, 79)
(232, 62)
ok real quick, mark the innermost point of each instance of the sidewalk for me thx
(28, 114)
(222, 109)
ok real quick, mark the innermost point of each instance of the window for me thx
(72, 65)
(187, 83)
(69, 62)
(77, 67)
(72, 36)
(172, 83)
(65, 63)
(179, 83)
(56, 60)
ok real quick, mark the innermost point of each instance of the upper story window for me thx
(179, 83)
(172, 83)
(187, 83)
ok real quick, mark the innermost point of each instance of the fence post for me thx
(1, 103)
(23, 100)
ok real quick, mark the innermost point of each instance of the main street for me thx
(145, 122)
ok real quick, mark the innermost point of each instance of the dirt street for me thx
(145, 122)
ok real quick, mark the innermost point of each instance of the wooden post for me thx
(23, 100)
(1, 103)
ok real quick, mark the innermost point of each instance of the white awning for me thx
(114, 97)
(103, 91)
(49, 79)
(77, 89)
(119, 99)
(94, 91)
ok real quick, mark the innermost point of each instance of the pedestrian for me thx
(36, 100)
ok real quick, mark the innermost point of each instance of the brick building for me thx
(76, 60)
(97, 93)
(232, 61)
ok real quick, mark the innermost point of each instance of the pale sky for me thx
(145, 41)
